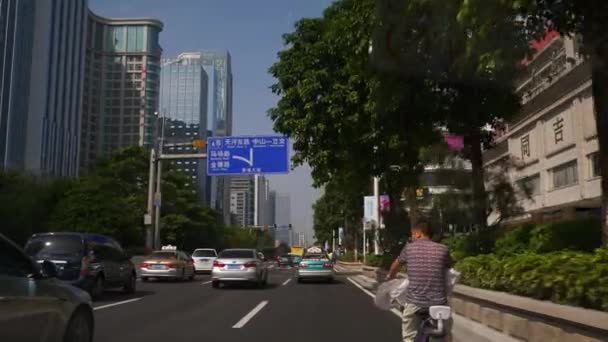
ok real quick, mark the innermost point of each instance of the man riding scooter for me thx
(427, 264)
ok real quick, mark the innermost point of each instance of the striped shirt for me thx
(427, 265)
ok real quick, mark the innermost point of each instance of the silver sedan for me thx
(239, 265)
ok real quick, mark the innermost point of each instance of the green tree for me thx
(112, 199)
(26, 204)
(347, 120)
(471, 63)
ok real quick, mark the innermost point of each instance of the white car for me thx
(203, 259)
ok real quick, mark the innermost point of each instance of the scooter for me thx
(433, 326)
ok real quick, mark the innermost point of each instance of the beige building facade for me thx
(553, 142)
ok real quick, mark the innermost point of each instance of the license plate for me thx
(234, 267)
(158, 267)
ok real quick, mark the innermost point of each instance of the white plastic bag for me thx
(388, 291)
(392, 293)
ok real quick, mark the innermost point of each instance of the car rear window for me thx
(314, 256)
(204, 253)
(163, 255)
(236, 254)
(54, 245)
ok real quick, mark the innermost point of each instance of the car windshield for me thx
(236, 254)
(54, 245)
(163, 255)
(204, 253)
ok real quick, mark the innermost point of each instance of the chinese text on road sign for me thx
(238, 155)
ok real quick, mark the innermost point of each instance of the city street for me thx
(283, 311)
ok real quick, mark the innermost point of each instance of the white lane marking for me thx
(286, 282)
(369, 293)
(117, 303)
(250, 315)
(206, 282)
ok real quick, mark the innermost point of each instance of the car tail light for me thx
(302, 265)
(192, 260)
(328, 266)
(251, 264)
(144, 265)
(85, 268)
(171, 265)
(218, 264)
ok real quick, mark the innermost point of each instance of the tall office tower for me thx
(283, 218)
(121, 90)
(217, 65)
(183, 99)
(242, 193)
(272, 207)
(16, 44)
(52, 139)
(261, 199)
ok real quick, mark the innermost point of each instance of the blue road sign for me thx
(246, 155)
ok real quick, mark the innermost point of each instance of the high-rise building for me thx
(16, 42)
(183, 99)
(261, 201)
(121, 90)
(283, 209)
(272, 207)
(282, 219)
(217, 65)
(56, 82)
(242, 203)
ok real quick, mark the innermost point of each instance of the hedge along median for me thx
(565, 277)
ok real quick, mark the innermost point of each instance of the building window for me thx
(565, 175)
(594, 163)
(531, 185)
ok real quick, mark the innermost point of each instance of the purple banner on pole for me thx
(455, 142)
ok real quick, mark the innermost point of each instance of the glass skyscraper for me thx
(121, 89)
(16, 42)
(217, 65)
(183, 100)
(56, 81)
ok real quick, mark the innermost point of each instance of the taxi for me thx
(315, 265)
(168, 263)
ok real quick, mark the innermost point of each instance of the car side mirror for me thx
(48, 269)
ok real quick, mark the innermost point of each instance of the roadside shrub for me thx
(514, 241)
(347, 257)
(471, 244)
(565, 277)
(374, 260)
(578, 235)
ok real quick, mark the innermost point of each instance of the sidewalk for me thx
(464, 330)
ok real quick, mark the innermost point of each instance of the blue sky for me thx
(251, 31)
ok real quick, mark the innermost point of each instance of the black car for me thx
(35, 306)
(285, 260)
(93, 262)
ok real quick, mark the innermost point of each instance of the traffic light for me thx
(199, 144)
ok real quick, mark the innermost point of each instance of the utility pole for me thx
(150, 212)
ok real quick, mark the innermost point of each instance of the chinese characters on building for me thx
(558, 129)
(525, 146)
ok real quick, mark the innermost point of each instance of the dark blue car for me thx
(93, 262)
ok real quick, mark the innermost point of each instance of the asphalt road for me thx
(283, 311)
